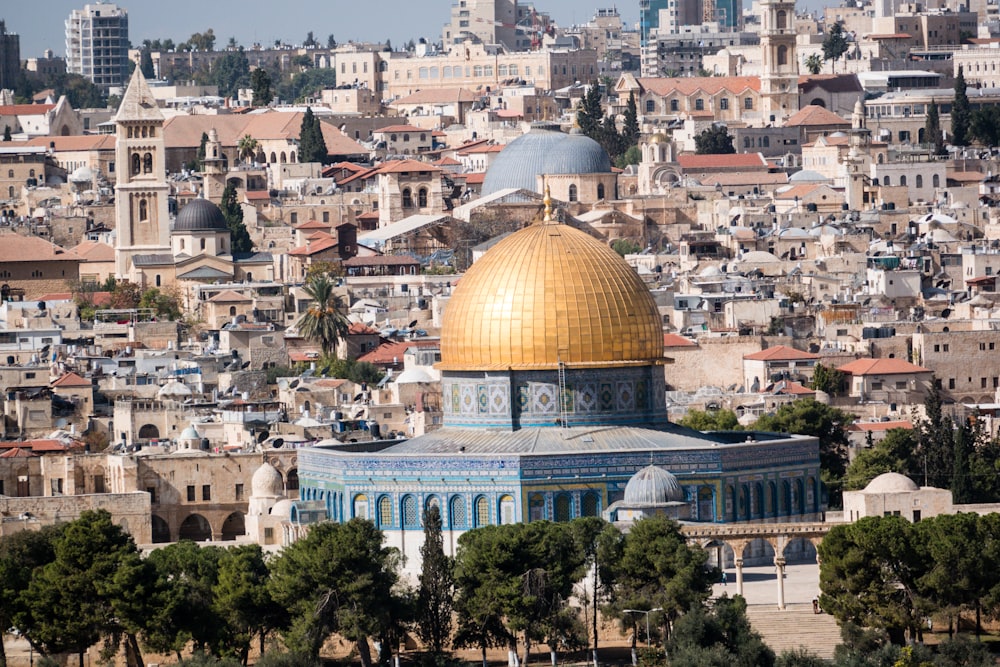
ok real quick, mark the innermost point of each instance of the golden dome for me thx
(545, 294)
(659, 138)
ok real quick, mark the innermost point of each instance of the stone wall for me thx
(716, 362)
(131, 511)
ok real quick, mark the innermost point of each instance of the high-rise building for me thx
(486, 21)
(97, 44)
(10, 57)
(649, 18)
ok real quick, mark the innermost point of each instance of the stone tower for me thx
(214, 172)
(142, 220)
(779, 79)
(857, 158)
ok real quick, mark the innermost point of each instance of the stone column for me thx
(739, 576)
(779, 566)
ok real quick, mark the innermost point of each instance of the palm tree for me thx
(324, 321)
(247, 148)
(814, 63)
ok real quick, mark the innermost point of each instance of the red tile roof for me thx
(815, 115)
(17, 248)
(691, 161)
(676, 340)
(313, 224)
(405, 166)
(25, 109)
(360, 329)
(399, 128)
(690, 85)
(390, 353)
(881, 367)
(780, 353)
(313, 247)
(72, 380)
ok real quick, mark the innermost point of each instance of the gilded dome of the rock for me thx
(545, 294)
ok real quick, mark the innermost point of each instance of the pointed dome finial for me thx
(547, 200)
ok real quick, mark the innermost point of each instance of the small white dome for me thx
(891, 482)
(653, 486)
(81, 175)
(190, 433)
(174, 390)
(267, 482)
(412, 376)
(282, 509)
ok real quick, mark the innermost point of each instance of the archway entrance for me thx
(195, 528)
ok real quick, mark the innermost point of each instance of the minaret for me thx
(856, 159)
(142, 222)
(779, 79)
(214, 172)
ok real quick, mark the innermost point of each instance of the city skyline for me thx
(257, 21)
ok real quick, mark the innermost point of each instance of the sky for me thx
(41, 26)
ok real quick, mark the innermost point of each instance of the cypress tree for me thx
(239, 236)
(435, 599)
(961, 115)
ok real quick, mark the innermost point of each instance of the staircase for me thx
(796, 626)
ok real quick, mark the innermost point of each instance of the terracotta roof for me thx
(313, 224)
(476, 178)
(814, 115)
(368, 215)
(329, 383)
(97, 298)
(94, 251)
(44, 445)
(405, 166)
(881, 367)
(690, 161)
(745, 178)
(314, 247)
(676, 340)
(25, 109)
(880, 426)
(481, 148)
(438, 96)
(830, 141)
(446, 162)
(85, 142)
(389, 353)
(706, 84)
(399, 128)
(965, 176)
(17, 453)
(780, 353)
(229, 296)
(303, 355)
(360, 329)
(17, 248)
(790, 387)
(71, 380)
(257, 195)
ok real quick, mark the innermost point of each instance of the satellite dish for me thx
(946, 313)
(278, 442)
(262, 436)
(412, 324)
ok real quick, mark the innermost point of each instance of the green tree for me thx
(310, 41)
(243, 601)
(936, 448)
(337, 579)
(963, 449)
(260, 83)
(961, 112)
(985, 125)
(146, 64)
(659, 569)
(835, 43)
(482, 586)
(590, 113)
(632, 155)
(814, 64)
(233, 213)
(711, 420)
(200, 155)
(630, 125)
(21, 554)
(331, 41)
(306, 84)
(125, 295)
(702, 637)
(600, 544)
(230, 72)
(165, 303)
(202, 41)
(356, 371)
(891, 454)
(716, 140)
(827, 379)
(6, 133)
(80, 92)
(312, 146)
(88, 592)
(625, 246)
(247, 148)
(324, 321)
(807, 416)
(436, 597)
(932, 129)
(868, 574)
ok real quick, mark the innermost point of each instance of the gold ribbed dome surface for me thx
(545, 294)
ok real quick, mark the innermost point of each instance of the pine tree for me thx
(961, 482)
(932, 129)
(961, 115)
(146, 64)
(312, 146)
(6, 133)
(260, 83)
(630, 128)
(435, 600)
(233, 212)
(589, 113)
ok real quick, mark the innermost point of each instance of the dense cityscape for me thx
(668, 341)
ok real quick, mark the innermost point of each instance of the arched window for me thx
(573, 195)
(136, 164)
(590, 505)
(674, 105)
(291, 156)
(536, 507)
(407, 198)
(902, 179)
(274, 157)
(10, 192)
(147, 163)
(432, 501)
(409, 513)
(157, 281)
(145, 131)
(361, 506)
(384, 511)
(564, 507)
(747, 142)
(202, 244)
(482, 512)
(232, 311)
(781, 20)
(885, 181)
(458, 517)
(782, 55)
(284, 158)
(143, 210)
(600, 190)
(422, 197)
(507, 513)
(767, 141)
(935, 181)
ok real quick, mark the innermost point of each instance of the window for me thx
(951, 383)
(945, 347)
(920, 181)
(361, 506)
(157, 280)
(507, 510)
(143, 210)
(650, 106)
(600, 190)
(422, 198)
(482, 512)
(239, 492)
(573, 194)
(782, 55)
(136, 164)
(458, 518)
(147, 163)
(206, 491)
(190, 493)
(151, 490)
(748, 103)
(407, 198)
(935, 181)
(699, 104)
(902, 179)
(385, 511)
(410, 518)
(724, 104)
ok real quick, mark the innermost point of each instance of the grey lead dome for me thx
(544, 151)
(200, 215)
(653, 486)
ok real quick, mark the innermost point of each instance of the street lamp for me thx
(647, 612)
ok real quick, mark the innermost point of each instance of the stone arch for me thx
(600, 191)
(196, 528)
(384, 514)
(819, 101)
(798, 550)
(149, 432)
(758, 500)
(408, 512)
(563, 507)
(720, 553)
(64, 130)
(292, 479)
(732, 507)
(482, 511)
(458, 517)
(506, 510)
(812, 497)
(798, 488)
(590, 504)
(233, 527)
(744, 500)
(666, 176)
(786, 497)
(161, 530)
(705, 506)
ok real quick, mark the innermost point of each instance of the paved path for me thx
(760, 584)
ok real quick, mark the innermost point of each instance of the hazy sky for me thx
(41, 23)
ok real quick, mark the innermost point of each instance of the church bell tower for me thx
(779, 79)
(142, 220)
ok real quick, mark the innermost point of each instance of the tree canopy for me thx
(312, 145)
(240, 240)
(835, 43)
(716, 140)
(324, 321)
(961, 111)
